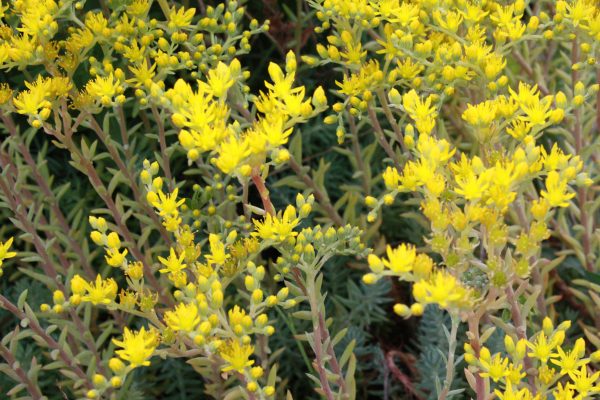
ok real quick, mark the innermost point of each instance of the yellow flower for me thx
(272, 127)
(101, 291)
(138, 8)
(391, 178)
(173, 263)
(31, 101)
(510, 394)
(231, 154)
(236, 356)
(184, 318)
(104, 88)
(563, 392)
(542, 348)
(442, 289)
(556, 190)
(420, 111)
(480, 115)
(569, 361)
(138, 346)
(238, 320)
(472, 187)
(142, 74)
(114, 258)
(518, 129)
(4, 253)
(580, 11)
(434, 151)
(221, 78)
(282, 83)
(37, 20)
(556, 159)
(217, 250)
(278, 228)
(78, 285)
(401, 259)
(515, 373)
(167, 204)
(496, 368)
(526, 95)
(537, 112)
(181, 18)
(97, 24)
(585, 384)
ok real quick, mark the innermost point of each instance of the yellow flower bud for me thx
(269, 390)
(319, 99)
(394, 96)
(484, 354)
(557, 115)
(370, 201)
(113, 241)
(375, 263)
(283, 294)
(116, 382)
(521, 349)
(217, 299)
(205, 328)
(256, 372)
(78, 285)
(116, 365)
(402, 310)
(257, 296)
(369, 279)
(547, 326)
(58, 297)
(417, 309)
(151, 197)
(388, 199)
(178, 120)
(560, 99)
(98, 380)
(509, 344)
(470, 359)
(330, 119)
(533, 24)
(252, 387)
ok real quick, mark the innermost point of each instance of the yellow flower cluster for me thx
(36, 102)
(538, 368)
(139, 52)
(432, 284)
(204, 117)
(474, 195)
(441, 45)
(201, 316)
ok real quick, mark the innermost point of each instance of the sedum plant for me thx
(499, 150)
(180, 267)
(142, 149)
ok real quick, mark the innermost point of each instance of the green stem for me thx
(450, 361)
(290, 324)
(380, 135)
(318, 340)
(321, 196)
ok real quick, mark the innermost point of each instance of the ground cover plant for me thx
(369, 199)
